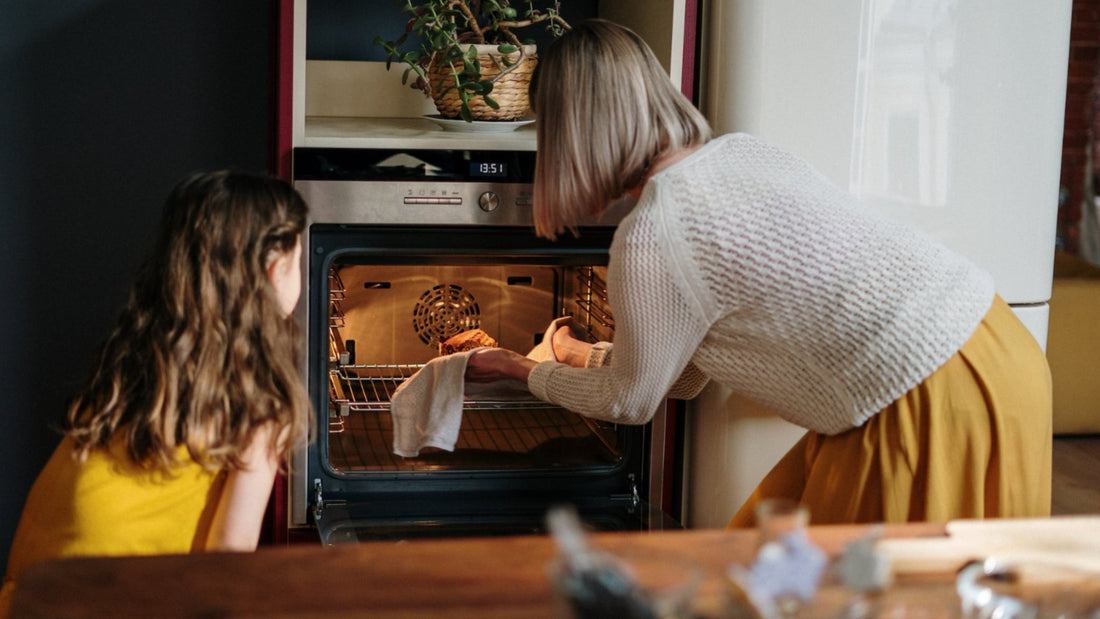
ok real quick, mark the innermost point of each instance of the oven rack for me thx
(593, 308)
(338, 352)
(369, 388)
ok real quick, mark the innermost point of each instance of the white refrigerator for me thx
(944, 113)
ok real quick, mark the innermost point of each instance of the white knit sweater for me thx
(742, 264)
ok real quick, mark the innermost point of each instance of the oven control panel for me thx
(399, 202)
(393, 186)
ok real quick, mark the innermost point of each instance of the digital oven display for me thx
(488, 169)
(423, 165)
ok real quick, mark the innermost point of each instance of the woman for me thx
(173, 444)
(923, 395)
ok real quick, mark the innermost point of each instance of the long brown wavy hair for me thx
(202, 355)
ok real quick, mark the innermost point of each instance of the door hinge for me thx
(631, 496)
(318, 501)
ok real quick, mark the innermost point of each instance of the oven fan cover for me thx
(443, 311)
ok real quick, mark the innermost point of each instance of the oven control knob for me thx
(488, 201)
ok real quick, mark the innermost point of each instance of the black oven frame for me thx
(452, 501)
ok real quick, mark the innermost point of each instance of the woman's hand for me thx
(489, 364)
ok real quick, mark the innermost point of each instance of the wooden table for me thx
(469, 577)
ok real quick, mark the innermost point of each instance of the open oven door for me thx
(388, 294)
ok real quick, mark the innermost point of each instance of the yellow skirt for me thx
(972, 441)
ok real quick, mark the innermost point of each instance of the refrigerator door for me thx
(945, 114)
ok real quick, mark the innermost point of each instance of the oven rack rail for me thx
(369, 388)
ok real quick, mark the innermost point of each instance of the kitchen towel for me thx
(427, 407)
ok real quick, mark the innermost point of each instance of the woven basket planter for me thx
(510, 91)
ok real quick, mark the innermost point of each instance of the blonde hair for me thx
(606, 109)
(202, 354)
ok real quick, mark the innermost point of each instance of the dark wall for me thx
(104, 104)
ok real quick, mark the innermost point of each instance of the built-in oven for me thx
(404, 249)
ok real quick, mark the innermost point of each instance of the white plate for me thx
(478, 126)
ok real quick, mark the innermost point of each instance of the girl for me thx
(924, 397)
(173, 444)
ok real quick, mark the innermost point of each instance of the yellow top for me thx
(109, 506)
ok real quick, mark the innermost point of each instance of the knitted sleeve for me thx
(599, 355)
(658, 326)
(690, 383)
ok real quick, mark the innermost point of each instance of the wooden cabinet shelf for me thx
(366, 132)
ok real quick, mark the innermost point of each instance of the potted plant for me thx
(470, 60)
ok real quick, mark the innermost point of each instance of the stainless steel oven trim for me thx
(399, 202)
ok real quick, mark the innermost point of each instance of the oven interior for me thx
(386, 322)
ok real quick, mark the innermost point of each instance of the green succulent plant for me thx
(447, 30)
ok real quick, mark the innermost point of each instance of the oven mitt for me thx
(544, 351)
(600, 354)
(427, 407)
